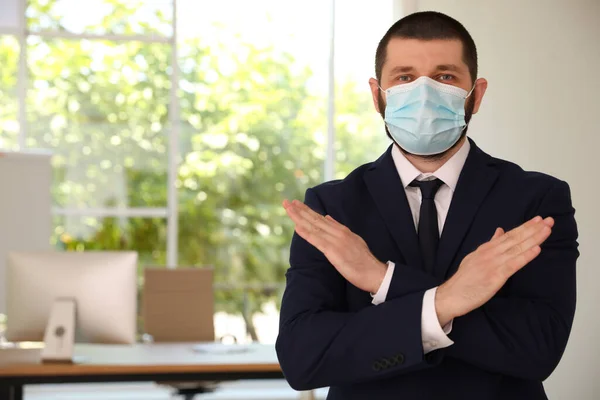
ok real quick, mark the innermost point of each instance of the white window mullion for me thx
(108, 37)
(330, 151)
(22, 76)
(171, 210)
(173, 159)
(112, 212)
(10, 31)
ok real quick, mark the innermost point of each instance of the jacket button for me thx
(377, 366)
(399, 359)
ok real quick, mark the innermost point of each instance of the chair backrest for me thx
(178, 304)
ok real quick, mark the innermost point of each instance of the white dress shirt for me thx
(432, 334)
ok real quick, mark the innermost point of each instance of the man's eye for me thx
(404, 78)
(445, 77)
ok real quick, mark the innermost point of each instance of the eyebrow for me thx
(401, 68)
(407, 68)
(448, 67)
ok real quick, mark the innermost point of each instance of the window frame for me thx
(170, 211)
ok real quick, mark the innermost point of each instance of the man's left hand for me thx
(345, 250)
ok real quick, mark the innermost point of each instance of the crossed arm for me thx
(522, 334)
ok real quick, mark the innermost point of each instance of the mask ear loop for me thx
(471, 91)
(384, 91)
(380, 88)
(466, 97)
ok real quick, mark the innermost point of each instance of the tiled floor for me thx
(244, 390)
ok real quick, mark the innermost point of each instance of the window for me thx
(103, 109)
(178, 127)
(147, 236)
(9, 105)
(359, 133)
(253, 131)
(102, 17)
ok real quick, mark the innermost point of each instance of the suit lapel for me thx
(385, 186)
(475, 181)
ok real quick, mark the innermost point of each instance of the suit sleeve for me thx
(321, 343)
(524, 332)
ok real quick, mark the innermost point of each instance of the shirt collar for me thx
(448, 173)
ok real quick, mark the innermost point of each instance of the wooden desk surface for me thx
(141, 359)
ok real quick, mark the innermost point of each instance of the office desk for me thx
(142, 362)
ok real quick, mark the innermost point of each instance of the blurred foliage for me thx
(251, 134)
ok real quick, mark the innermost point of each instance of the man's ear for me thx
(374, 84)
(480, 88)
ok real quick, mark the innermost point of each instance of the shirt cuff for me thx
(382, 293)
(433, 336)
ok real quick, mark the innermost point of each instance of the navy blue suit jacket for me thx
(331, 334)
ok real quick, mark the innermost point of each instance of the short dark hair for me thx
(428, 25)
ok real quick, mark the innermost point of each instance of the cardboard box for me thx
(178, 304)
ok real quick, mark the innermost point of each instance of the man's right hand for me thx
(483, 272)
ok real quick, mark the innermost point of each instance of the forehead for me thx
(424, 55)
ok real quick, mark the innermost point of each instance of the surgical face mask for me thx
(425, 117)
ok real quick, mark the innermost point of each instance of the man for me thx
(437, 271)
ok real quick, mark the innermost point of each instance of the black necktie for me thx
(429, 234)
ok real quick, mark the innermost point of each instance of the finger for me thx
(308, 226)
(340, 229)
(549, 221)
(301, 206)
(518, 235)
(489, 245)
(499, 232)
(517, 263)
(538, 238)
(318, 239)
(302, 214)
(534, 240)
(521, 229)
(328, 225)
(308, 212)
(299, 219)
(331, 246)
(334, 222)
(305, 210)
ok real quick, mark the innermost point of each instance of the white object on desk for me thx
(16, 354)
(103, 284)
(218, 348)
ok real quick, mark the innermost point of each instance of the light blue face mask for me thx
(425, 117)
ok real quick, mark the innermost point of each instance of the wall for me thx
(541, 110)
(25, 207)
